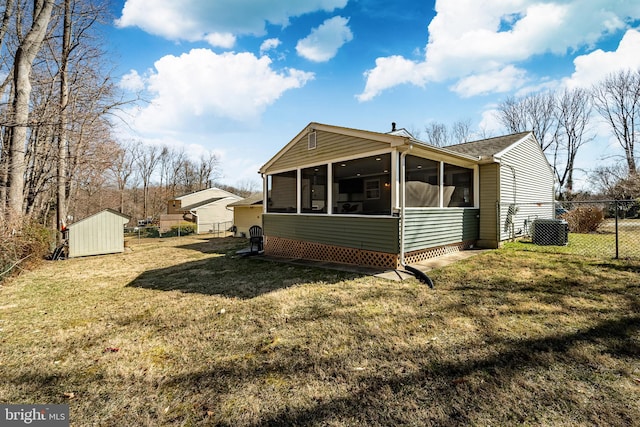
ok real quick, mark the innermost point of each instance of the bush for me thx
(584, 219)
(183, 229)
(22, 245)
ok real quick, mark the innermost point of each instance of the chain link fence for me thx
(602, 228)
(178, 229)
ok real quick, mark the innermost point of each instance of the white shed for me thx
(99, 234)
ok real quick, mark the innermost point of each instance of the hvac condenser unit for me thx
(550, 232)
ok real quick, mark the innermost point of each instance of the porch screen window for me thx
(422, 183)
(362, 186)
(282, 189)
(461, 179)
(314, 189)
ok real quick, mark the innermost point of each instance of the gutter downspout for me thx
(403, 180)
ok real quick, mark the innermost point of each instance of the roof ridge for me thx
(489, 139)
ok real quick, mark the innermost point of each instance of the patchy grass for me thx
(180, 332)
(600, 244)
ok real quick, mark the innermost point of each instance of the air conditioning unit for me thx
(550, 232)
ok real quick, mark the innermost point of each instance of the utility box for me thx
(550, 232)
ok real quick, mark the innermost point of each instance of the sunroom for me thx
(358, 197)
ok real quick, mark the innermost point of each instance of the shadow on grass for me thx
(234, 277)
(445, 385)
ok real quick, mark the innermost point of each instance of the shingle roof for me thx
(254, 199)
(487, 147)
(202, 203)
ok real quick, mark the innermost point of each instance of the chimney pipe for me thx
(393, 126)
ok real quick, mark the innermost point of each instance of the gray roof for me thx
(487, 147)
(254, 199)
(202, 203)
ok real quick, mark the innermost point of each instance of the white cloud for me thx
(494, 81)
(224, 40)
(207, 20)
(470, 40)
(392, 71)
(269, 44)
(132, 81)
(324, 41)
(490, 123)
(200, 88)
(595, 66)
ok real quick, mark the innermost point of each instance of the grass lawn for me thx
(181, 332)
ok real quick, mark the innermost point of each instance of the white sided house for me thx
(387, 199)
(247, 213)
(99, 234)
(208, 209)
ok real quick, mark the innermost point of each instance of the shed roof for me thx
(109, 210)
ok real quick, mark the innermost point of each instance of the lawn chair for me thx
(255, 237)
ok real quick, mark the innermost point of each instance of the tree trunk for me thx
(61, 210)
(22, 66)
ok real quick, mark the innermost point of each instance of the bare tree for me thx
(23, 63)
(207, 170)
(437, 134)
(61, 193)
(532, 113)
(617, 99)
(573, 113)
(122, 169)
(147, 159)
(461, 131)
(614, 181)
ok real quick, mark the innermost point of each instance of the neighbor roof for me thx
(488, 147)
(202, 203)
(254, 199)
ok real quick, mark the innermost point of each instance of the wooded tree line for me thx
(59, 160)
(564, 123)
(56, 98)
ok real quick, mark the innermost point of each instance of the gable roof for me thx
(107, 210)
(254, 199)
(202, 194)
(398, 138)
(487, 148)
(201, 203)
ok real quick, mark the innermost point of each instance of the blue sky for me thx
(241, 78)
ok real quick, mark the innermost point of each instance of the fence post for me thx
(617, 230)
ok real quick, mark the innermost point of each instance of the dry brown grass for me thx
(179, 332)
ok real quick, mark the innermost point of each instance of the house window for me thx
(461, 179)
(362, 186)
(372, 189)
(282, 189)
(422, 182)
(314, 189)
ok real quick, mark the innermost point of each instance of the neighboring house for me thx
(99, 234)
(247, 212)
(207, 209)
(387, 199)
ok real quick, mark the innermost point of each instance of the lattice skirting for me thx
(425, 254)
(277, 246)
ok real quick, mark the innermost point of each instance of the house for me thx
(99, 234)
(387, 199)
(247, 212)
(207, 209)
